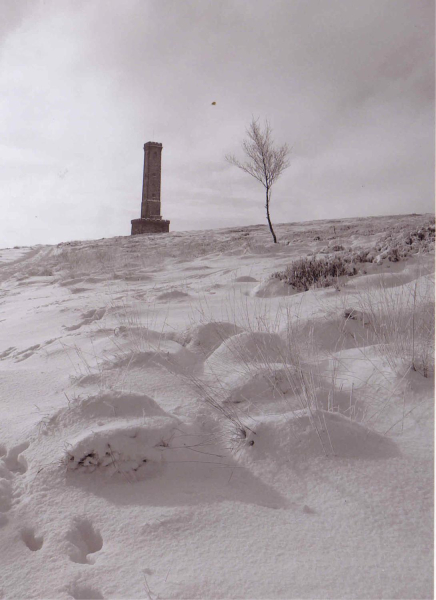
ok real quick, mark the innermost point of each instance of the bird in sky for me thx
(213, 103)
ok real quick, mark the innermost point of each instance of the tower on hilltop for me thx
(151, 220)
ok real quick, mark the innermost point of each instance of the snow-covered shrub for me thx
(362, 256)
(306, 273)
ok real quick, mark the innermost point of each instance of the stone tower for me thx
(151, 220)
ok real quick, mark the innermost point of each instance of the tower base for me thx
(149, 226)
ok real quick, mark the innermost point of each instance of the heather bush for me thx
(306, 273)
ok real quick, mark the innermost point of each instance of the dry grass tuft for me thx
(403, 321)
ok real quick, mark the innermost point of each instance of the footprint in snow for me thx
(80, 591)
(24, 354)
(95, 314)
(13, 461)
(11, 465)
(84, 540)
(5, 499)
(32, 541)
(7, 352)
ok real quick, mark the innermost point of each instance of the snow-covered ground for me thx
(177, 424)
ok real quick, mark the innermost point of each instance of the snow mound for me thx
(265, 386)
(140, 333)
(269, 249)
(68, 282)
(360, 367)
(228, 372)
(176, 360)
(338, 400)
(249, 347)
(208, 337)
(416, 267)
(284, 387)
(106, 406)
(272, 288)
(144, 353)
(338, 332)
(127, 448)
(304, 435)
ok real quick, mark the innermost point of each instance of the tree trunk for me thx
(267, 216)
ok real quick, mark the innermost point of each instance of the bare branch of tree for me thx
(264, 161)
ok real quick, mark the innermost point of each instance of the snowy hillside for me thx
(178, 421)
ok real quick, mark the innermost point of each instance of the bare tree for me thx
(264, 162)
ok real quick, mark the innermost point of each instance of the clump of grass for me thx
(402, 319)
(284, 365)
(307, 273)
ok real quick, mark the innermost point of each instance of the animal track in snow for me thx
(7, 352)
(13, 461)
(84, 592)
(5, 496)
(95, 314)
(11, 464)
(84, 540)
(173, 295)
(33, 542)
(20, 356)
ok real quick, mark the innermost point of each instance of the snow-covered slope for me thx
(177, 424)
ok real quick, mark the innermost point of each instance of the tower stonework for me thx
(151, 220)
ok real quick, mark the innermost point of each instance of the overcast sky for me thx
(348, 84)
